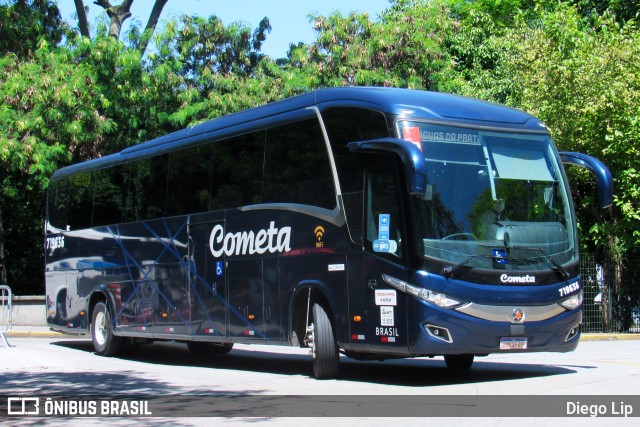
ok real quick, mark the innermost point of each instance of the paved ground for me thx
(605, 366)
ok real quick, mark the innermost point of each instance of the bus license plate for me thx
(513, 343)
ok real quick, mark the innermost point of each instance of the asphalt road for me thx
(602, 374)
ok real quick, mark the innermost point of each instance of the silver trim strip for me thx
(334, 169)
(334, 216)
(504, 313)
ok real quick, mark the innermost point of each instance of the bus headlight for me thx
(573, 302)
(436, 298)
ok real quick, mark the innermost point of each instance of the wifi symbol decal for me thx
(319, 232)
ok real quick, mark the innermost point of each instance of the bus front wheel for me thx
(324, 349)
(104, 342)
(458, 361)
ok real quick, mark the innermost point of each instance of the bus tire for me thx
(458, 361)
(198, 347)
(324, 349)
(104, 342)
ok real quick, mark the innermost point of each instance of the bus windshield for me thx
(493, 200)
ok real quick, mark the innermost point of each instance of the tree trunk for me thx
(82, 18)
(117, 14)
(151, 25)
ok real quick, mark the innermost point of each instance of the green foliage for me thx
(219, 67)
(402, 50)
(622, 10)
(582, 79)
(64, 98)
(24, 23)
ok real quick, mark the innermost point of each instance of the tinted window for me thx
(344, 125)
(80, 201)
(189, 181)
(348, 124)
(110, 195)
(237, 171)
(383, 200)
(297, 168)
(58, 205)
(148, 187)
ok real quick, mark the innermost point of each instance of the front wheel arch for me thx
(305, 296)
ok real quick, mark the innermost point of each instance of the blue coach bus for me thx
(373, 222)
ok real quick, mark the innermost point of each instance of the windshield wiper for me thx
(558, 267)
(448, 271)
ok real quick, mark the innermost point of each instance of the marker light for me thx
(573, 302)
(439, 299)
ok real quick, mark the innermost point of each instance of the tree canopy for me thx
(68, 95)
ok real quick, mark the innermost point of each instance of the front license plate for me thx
(513, 343)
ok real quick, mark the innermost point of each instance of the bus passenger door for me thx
(383, 309)
(207, 279)
(245, 298)
(253, 289)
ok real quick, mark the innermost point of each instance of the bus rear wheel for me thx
(459, 361)
(104, 342)
(324, 349)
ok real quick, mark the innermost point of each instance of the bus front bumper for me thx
(500, 330)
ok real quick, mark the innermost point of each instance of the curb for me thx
(36, 334)
(610, 337)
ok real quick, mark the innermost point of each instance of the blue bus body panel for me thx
(479, 336)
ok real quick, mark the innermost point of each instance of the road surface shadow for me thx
(418, 372)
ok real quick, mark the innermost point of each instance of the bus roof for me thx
(401, 102)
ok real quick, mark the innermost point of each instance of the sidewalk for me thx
(45, 332)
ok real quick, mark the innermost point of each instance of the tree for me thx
(24, 22)
(622, 10)
(222, 67)
(118, 14)
(48, 107)
(23, 25)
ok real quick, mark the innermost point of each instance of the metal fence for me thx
(5, 312)
(611, 293)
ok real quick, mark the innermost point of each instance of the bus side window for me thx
(344, 125)
(80, 201)
(110, 195)
(383, 216)
(148, 188)
(189, 181)
(237, 171)
(58, 206)
(297, 167)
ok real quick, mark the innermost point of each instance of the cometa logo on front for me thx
(505, 278)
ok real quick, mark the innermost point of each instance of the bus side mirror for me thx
(415, 166)
(603, 177)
